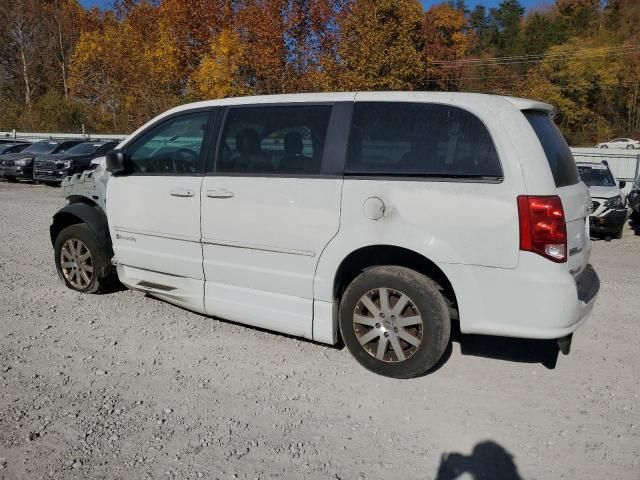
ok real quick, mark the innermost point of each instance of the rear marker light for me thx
(542, 226)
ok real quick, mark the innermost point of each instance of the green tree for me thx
(505, 21)
(480, 25)
(542, 30)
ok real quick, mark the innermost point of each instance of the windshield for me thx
(6, 146)
(84, 148)
(42, 147)
(597, 177)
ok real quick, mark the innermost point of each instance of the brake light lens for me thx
(542, 226)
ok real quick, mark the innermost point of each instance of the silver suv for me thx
(609, 203)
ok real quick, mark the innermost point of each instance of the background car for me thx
(19, 166)
(619, 143)
(609, 203)
(52, 168)
(13, 147)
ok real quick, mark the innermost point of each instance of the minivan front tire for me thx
(395, 321)
(82, 260)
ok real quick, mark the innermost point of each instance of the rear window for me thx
(563, 166)
(419, 139)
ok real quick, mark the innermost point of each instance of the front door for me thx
(154, 210)
(269, 209)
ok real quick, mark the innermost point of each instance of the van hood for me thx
(604, 192)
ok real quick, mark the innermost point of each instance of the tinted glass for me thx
(84, 148)
(563, 166)
(12, 148)
(171, 148)
(596, 177)
(42, 147)
(64, 146)
(281, 140)
(107, 147)
(419, 139)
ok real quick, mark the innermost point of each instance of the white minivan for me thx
(376, 219)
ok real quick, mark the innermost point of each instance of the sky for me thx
(427, 3)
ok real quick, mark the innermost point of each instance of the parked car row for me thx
(49, 161)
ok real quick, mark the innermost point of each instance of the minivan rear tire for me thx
(384, 332)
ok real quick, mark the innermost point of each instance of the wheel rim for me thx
(76, 263)
(388, 325)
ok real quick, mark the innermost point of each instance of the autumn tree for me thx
(581, 86)
(26, 34)
(220, 73)
(128, 68)
(579, 15)
(380, 45)
(68, 19)
(623, 18)
(192, 25)
(446, 38)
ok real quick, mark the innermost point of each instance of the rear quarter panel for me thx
(448, 222)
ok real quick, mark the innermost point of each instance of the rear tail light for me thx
(542, 226)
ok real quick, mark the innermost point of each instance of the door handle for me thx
(182, 192)
(219, 194)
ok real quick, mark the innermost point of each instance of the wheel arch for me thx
(370, 256)
(82, 210)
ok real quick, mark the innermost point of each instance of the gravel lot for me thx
(126, 386)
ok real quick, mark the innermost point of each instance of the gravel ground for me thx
(125, 386)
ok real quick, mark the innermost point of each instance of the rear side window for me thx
(563, 166)
(419, 139)
(274, 140)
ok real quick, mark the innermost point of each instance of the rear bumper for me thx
(609, 222)
(538, 299)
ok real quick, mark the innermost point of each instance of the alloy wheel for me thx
(388, 325)
(76, 263)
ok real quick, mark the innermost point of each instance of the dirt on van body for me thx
(126, 386)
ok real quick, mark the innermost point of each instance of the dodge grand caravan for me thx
(374, 218)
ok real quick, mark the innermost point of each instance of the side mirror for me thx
(623, 184)
(115, 161)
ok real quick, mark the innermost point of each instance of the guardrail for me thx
(35, 136)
